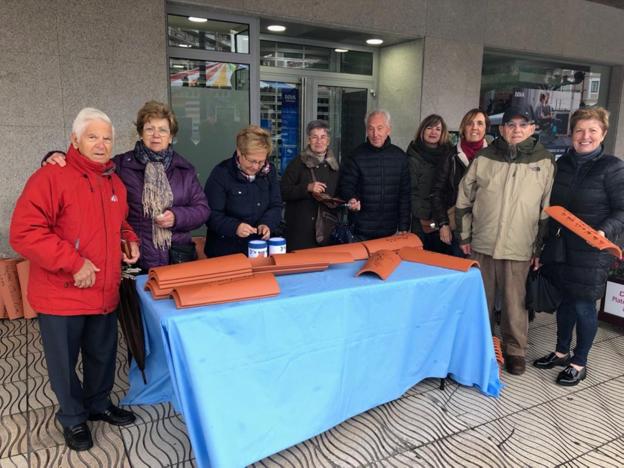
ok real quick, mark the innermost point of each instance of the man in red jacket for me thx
(70, 223)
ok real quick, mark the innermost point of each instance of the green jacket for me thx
(501, 201)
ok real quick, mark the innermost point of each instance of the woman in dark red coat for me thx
(70, 223)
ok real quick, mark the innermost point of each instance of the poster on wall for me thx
(552, 91)
(290, 127)
(551, 111)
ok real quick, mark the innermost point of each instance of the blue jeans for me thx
(582, 313)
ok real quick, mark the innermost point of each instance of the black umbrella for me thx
(130, 320)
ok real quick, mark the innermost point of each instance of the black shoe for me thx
(515, 365)
(552, 360)
(115, 416)
(78, 437)
(569, 376)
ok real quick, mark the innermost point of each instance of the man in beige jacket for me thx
(501, 220)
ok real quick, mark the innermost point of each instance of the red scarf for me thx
(470, 148)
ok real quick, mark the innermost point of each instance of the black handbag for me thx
(342, 233)
(326, 222)
(326, 216)
(181, 253)
(541, 294)
(554, 250)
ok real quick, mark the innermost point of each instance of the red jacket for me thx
(66, 215)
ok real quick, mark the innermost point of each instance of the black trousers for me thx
(96, 337)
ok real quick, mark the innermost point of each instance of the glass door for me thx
(289, 102)
(344, 108)
(280, 113)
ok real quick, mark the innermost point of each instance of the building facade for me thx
(443, 56)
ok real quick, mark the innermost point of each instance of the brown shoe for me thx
(515, 365)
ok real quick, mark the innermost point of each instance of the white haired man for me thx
(70, 223)
(375, 180)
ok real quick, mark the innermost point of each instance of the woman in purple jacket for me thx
(165, 200)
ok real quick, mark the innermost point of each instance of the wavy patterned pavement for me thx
(534, 424)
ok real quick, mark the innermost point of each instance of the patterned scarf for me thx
(157, 194)
(312, 160)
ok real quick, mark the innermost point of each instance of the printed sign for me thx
(614, 299)
(290, 126)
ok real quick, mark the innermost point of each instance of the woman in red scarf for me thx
(444, 192)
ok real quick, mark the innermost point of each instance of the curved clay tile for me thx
(356, 250)
(10, 288)
(393, 242)
(23, 273)
(252, 287)
(157, 292)
(427, 257)
(382, 263)
(219, 267)
(583, 230)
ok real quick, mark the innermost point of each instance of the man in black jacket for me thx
(375, 179)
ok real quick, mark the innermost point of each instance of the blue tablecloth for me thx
(252, 378)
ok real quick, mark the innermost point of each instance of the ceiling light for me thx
(276, 28)
(177, 66)
(195, 19)
(341, 51)
(374, 41)
(184, 45)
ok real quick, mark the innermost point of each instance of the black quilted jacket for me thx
(379, 178)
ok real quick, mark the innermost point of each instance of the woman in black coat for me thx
(313, 172)
(450, 171)
(244, 195)
(430, 146)
(588, 184)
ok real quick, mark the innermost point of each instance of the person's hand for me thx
(245, 230)
(165, 220)
(55, 159)
(354, 205)
(264, 231)
(535, 263)
(446, 235)
(602, 233)
(317, 187)
(134, 253)
(85, 277)
(466, 249)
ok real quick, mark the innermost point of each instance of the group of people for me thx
(470, 199)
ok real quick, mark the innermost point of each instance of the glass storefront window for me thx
(551, 90)
(211, 102)
(280, 114)
(204, 34)
(284, 55)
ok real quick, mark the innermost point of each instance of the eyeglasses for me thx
(162, 131)
(253, 162)
(522, 125)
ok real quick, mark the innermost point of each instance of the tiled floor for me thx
(534, 423)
